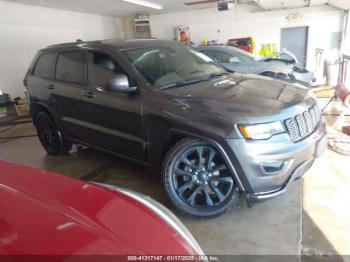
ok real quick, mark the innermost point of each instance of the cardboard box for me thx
(22, 110)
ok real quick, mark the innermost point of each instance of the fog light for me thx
(272, 168)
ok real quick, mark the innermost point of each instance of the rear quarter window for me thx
(45, 66)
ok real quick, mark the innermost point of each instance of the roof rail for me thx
(77, 42)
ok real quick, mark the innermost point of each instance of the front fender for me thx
(224, 149)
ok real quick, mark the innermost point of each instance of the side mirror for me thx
(234, 60)
(120, 84)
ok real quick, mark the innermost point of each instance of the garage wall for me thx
(128, 23)
(324, 23)
(25, 29)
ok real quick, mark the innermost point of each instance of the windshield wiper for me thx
(190, 82)
(216, 75)
(181, 83)
(177, 84)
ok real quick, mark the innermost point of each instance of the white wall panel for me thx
(25, 29)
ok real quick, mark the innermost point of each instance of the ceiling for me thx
(112, 7)
(118, 8)
(286, 4)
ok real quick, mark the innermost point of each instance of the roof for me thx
(116, 43)
(230, 49)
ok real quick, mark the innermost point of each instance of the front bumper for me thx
(270, 166)
(296, 175)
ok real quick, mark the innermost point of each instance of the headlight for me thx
(261, 131)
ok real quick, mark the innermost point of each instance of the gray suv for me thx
(215, 135)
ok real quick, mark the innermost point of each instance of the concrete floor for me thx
(311, 219)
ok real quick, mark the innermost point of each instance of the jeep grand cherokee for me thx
(216, 135)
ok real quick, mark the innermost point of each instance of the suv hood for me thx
(240, 95)
(285, 56)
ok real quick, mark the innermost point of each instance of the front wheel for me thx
(197, 179)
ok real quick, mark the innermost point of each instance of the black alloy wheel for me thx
(197, 179)
(49, 135)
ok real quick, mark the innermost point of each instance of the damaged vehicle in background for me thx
(236, 60)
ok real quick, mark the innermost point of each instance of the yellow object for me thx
(269, 50)
(324, 92)
(253, 45)
(244, 132)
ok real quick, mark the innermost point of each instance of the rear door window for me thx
(70, 67)
(45, 66)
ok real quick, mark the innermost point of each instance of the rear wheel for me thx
(197, 179)
(50, 136)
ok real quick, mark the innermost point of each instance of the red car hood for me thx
(43, 213)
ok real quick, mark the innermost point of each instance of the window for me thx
(211, 54)
(70, 67)
(222, 57)
(101, 68)
(45, 65)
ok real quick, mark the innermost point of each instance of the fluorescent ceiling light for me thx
(144, 3)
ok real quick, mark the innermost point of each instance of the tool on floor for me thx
(338, 138)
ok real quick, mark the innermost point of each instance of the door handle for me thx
(50, 87)
(89, 95)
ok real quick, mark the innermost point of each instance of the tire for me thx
(50, 136)
(202, 189)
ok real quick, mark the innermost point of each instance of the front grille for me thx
(303, 124)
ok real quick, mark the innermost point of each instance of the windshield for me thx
(174, 65)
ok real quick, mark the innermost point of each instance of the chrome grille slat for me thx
(313, 116)
(292, 129)
(303, 124)
(318, 113)
(307, 117)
